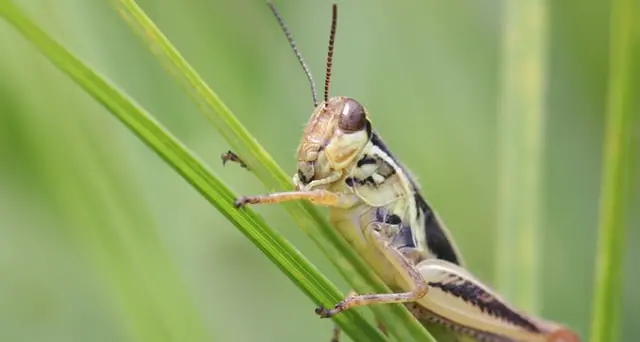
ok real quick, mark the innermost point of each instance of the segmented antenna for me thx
(294, 46)
(332, 38)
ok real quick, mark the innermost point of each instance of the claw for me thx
(240, 202)
(323, 312)
(231, 156)
(327, 313)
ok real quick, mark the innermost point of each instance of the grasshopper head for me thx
(337, 130)
(336, 133)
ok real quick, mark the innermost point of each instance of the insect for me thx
(377, 206)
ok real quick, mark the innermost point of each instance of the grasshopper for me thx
(377, 206)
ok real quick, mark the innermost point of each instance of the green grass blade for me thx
(521, 148)
(95, 212)
(124, 248)
(298, 269)
(399, 321)
(621, 120)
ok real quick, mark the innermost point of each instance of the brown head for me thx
(336, 133)
(338, 128)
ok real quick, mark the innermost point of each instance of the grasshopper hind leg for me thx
(418, 286)
(460, 302)
(448, 295)
(337, 332)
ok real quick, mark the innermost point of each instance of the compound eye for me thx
(353, 117)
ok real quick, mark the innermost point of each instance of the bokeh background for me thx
(81, 199)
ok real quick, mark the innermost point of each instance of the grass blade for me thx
(399, 321)
(621, 119)
(298, 269)
(95, 213)
(521, 142)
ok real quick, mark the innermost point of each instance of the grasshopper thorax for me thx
(337, 132)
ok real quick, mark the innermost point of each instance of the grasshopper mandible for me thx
(377, 206)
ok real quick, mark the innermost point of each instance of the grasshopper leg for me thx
(459, 300)
(232, 157)
(335, 337)
(418, 285)
(321, 197)
(445, 293)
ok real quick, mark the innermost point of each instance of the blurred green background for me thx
(84, 206)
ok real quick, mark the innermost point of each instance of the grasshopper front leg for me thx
(320, 197)
(230, 156)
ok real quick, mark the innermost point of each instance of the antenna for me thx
(294, 46)
(332, 38)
